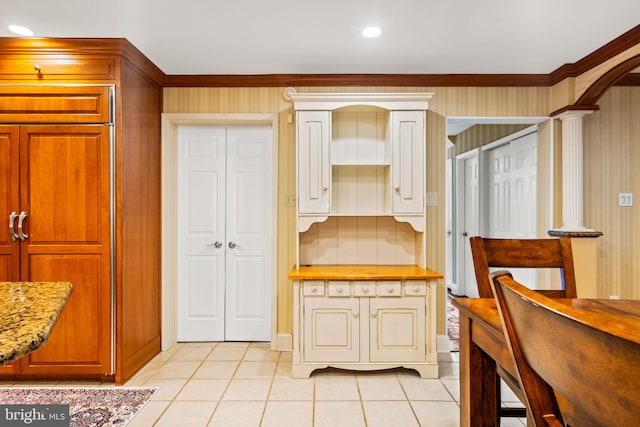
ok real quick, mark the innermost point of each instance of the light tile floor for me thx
(246, 384)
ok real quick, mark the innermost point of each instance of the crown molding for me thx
(398, 80)
(618, 45)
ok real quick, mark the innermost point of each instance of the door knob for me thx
(465, 234)
(217, 244)
(233, 245)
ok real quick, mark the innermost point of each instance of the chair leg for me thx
(503, 411)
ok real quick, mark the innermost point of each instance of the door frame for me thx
(170, 123)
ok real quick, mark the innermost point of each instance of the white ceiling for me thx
(323, 36)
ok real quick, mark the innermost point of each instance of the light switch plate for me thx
(625, 199)
(431, 199)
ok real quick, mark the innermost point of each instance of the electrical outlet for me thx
(625, 199)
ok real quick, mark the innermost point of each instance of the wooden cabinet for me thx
(361, 192)
(59, 230)
(80, 188)
(361, 178)
(364, 324)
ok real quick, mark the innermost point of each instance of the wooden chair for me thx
(574, 366)
(521, 253)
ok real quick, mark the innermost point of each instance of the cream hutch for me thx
(363, 296)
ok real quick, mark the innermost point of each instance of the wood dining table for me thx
(483, 348)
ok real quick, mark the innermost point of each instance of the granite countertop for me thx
(363, 272)
(28, 312)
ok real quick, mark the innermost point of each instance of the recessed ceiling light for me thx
(371, 32)
(20, 30)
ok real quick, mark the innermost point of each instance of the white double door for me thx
(498, 199)
(225, 199)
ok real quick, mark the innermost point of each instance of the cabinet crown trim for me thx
(388, 101)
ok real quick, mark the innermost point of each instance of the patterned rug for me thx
(453, 325)
(88, 407)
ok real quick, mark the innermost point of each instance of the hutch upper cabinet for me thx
(361, 178)
(363, 297)
(80, 190)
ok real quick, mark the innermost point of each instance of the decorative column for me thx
(583, 240)
(572, 179)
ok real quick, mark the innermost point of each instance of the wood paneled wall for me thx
(611, 161)
(447, 101)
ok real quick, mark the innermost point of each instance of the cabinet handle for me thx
(365, 289)
(374, 313)
(37, 68)
(397, 188)
(339, 290)
(390, 289)
(416, 289)
(314, 289)
(325, 188)
(21, 218)
(12, 231)
(356, 314)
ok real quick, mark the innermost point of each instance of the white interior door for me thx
(248, 254)
(224, 233)
(469, 223)
(512, 195)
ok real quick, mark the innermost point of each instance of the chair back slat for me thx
(523, 253)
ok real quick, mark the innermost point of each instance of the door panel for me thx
(334, 329)
(9, 202)
(407, 141)
(64, 190)
(512, 207)
(471, 225)
(499, 162)
(248, 224)
(81, 335)
(398, 329)
(201, 231)
(313, 152)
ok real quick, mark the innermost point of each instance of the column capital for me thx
(569, 113)
(572, 233)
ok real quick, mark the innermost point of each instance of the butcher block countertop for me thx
(28, 312)
(363, 272)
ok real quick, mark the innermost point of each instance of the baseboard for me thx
(284, 342)
(443, 344)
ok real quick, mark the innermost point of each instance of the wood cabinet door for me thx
(314, 172)
(331, 329)
(398, 329)
(9, 203)
(65, 193)
(407, 161)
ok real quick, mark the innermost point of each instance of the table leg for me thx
(478, 393)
